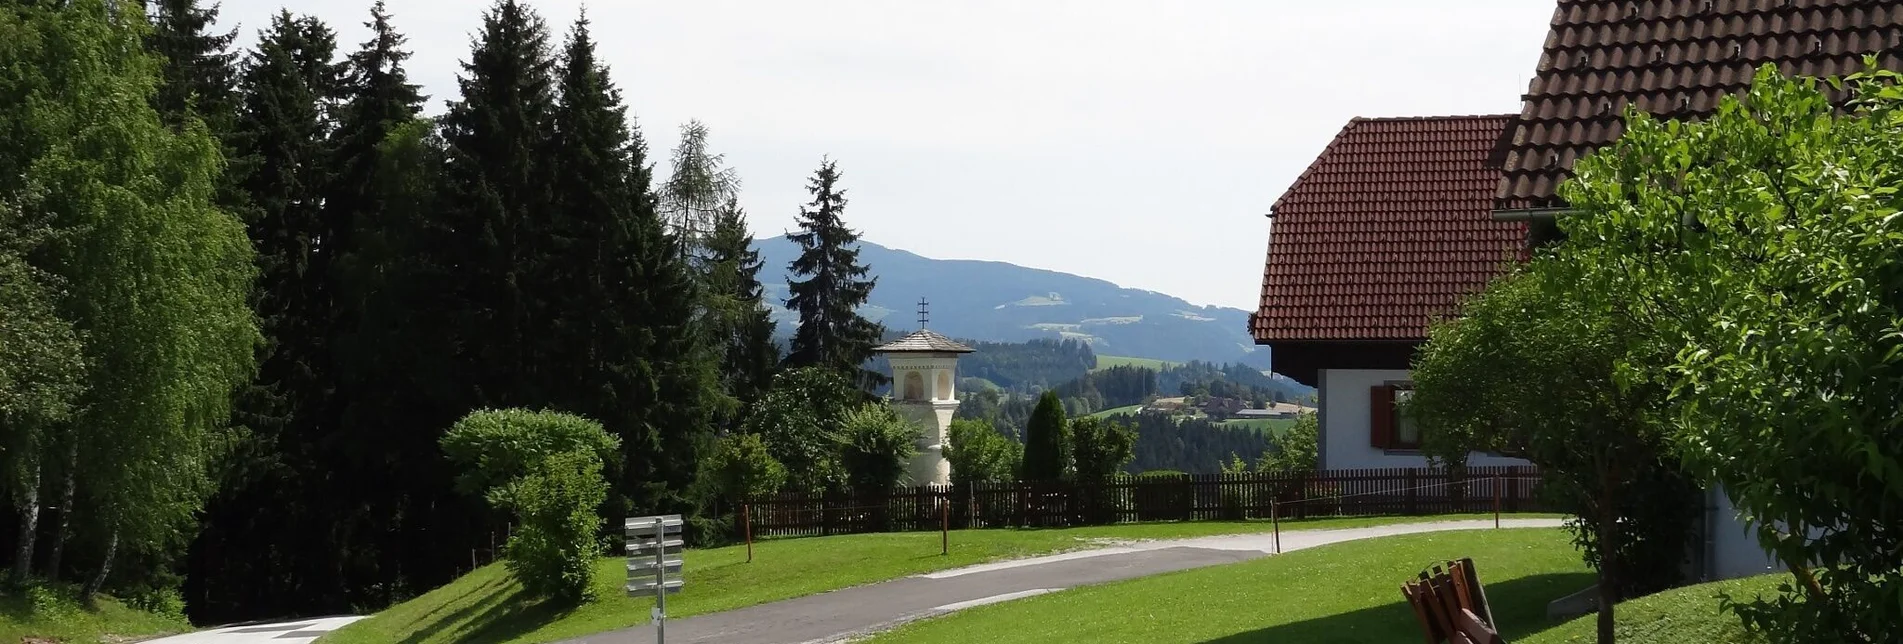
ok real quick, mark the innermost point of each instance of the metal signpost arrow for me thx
(654, 563)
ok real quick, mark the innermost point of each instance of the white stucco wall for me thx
(1345, 423)
(1734, 545)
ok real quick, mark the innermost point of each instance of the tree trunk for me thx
(65, 513)
(29, 527)
(1608, 559)
(105, 568)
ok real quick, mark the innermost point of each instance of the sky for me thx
(1136, 141)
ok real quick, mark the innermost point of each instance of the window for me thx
(1389, 427)
(914, 386)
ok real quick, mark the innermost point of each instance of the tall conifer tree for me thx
(743, 324)
(626, 343)
(497, 199)
(829, 285)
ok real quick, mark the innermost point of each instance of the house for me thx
(1389, 227)
(1399, 218)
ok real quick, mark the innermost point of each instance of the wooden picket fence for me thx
(1325, 493)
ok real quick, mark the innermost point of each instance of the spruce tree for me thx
(198, 76)
(1047, 441)
(626, 344)
(742, 321)
(497, 197)
(692, 197)
(832, 335)
(282, 129)
(304, 490)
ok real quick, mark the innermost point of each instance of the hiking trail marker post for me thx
(654, 563)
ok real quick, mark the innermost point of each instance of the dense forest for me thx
(244, 296)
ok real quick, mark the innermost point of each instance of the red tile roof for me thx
(1389, 227)
(1675, 59)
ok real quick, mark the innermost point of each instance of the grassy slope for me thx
(486, 606)
(1688, 615)
(1117, 411)
(61, 619)
(1344, 593)
(1106, 362)
(1264, 425)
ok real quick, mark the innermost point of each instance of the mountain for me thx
(1000, 302)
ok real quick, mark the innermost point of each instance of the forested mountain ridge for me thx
(1001, 302)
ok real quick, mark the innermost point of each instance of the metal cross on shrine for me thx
(924, 312)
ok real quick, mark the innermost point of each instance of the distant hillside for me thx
(1001, 302)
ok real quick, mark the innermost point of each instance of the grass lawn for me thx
(1106, 362)
(1342, 594)
(1117, 411)
(1688, 615)
(40, 615)
(1264, 425)
(486, 606)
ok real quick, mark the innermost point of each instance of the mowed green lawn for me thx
(487, 605)
(1347, 593)
(1688, 615)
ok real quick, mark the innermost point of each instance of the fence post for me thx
(746, 527)
(1513, 488)
(1275, 518)
(1412, 504)
(944, 527)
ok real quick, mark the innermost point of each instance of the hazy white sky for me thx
(1136, 141)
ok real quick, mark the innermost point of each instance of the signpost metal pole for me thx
(660, 585)
(746, 520)
(644, 533)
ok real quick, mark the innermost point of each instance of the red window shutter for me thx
(1381, 416)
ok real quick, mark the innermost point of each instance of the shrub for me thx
(545, 467)
(552, 549)
(875, 444)
(497, 445)
(743, 469)
(978, 453)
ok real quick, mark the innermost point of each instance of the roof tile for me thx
(1675, 59)
(1390, 226)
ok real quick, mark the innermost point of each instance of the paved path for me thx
(302, 631)
(852, 612)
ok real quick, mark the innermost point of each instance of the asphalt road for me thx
(852, 612)
(301, 631)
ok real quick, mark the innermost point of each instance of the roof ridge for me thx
(1443, 117)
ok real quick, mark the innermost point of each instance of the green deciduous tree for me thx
(1100, 449)
(979, 454)
(829, 285)
(545, 468)
(1294, 449)
(1047, 442)
(40, 371)
(742, 467)
(800, 412)
(1537, 373)
(198, 74)
(874, 444)
(155, 277)
(1761, 245)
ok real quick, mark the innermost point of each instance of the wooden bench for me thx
(1452, 606)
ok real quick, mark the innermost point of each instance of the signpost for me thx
(654, 563)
